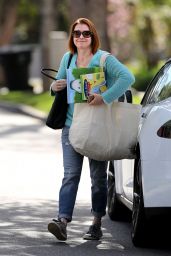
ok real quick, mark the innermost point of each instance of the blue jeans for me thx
(73, 162)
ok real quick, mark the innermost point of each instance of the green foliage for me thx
(63, 17)
(143, 76)
(27, 9)
(41, 101)
(155, 3)
(28, 22)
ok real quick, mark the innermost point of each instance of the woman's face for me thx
(82, 42)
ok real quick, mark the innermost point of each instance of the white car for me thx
(143, 185)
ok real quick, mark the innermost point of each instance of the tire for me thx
(139, 222)
(116, 210)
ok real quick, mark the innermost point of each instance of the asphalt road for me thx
(30, 178)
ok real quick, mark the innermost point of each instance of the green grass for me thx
(41, 101)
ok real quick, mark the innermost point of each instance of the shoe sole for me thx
(55, 230)
(91, 238)
(85, 237)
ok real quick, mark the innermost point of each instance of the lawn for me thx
(41, 101)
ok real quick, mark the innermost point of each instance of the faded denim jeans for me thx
(73, 162)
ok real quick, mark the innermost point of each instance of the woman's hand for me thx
(95, 99)
(58, 85)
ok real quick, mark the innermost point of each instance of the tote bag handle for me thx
(45, 71)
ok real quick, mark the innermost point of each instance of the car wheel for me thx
(139, 227)
(116, 210)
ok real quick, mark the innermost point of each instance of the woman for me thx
(84, 45)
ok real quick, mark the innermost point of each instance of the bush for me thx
(143, 77)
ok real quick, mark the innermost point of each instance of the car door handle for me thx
(144, 115)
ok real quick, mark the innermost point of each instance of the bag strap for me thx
(69, 60)
(45, 70)
(103, 58)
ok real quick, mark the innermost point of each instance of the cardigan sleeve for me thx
(119, 78)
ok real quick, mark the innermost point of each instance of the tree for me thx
(153, 27)
(121, 20)
(8, 14)
(90, 9)
(48, 24)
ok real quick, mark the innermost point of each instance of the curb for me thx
(23, 109)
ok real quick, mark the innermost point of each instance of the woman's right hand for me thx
(58, 85)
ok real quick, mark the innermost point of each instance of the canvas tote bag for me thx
(105, 132)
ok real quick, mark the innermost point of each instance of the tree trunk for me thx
(148, 43)
(8, 17)
(96, 11)
(47, 25)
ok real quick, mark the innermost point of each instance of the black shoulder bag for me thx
(57, 114)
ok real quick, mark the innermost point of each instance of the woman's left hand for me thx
(95, 99)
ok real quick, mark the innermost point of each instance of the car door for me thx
(155, 103)
(154, 147)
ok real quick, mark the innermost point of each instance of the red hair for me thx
(95, 38)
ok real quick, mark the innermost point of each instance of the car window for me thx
(160, 87)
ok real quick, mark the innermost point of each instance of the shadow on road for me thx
(23, 231)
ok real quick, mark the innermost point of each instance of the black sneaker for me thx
(58, 229)
(94, 233)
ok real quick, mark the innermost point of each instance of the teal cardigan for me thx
(118, 77)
